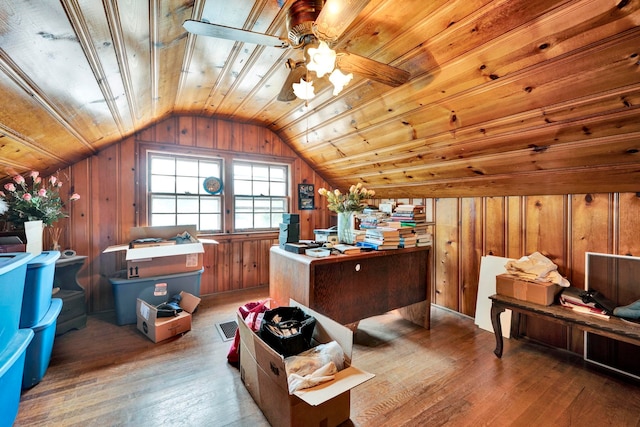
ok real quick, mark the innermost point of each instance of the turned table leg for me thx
(496, 310)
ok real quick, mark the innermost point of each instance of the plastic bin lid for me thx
(16, 348)
(50, 316)
(45, 258)
(12, 260)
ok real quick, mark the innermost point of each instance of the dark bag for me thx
(288, 330)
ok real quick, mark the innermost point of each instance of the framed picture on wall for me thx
(306, 197)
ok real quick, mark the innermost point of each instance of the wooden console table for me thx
(349, 288)
(74, 309)
(612, 328)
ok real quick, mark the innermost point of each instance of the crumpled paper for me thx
(538, 268)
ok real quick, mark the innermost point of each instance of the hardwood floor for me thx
(109, 375)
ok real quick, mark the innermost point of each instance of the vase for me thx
(54, 235)
(33, 231)
(345, 227)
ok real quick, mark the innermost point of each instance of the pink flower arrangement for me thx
(21, 202)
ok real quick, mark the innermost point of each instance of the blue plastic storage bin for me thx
(39, 351)
(13, 270)
(12, 358)
(127, 291)
(38, 285)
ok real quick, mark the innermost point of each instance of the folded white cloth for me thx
(314, 366)
(538, 268)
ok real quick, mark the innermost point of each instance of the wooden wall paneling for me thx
(186, 131)
(225, 137)
(628, 224)
(78, 225)
(494, 226)
(515, 227)
(545, 232)
(207, 280)
(263, 260)
(470, 252)
(250, 264)
(222, 275)
(446, 246)
(166, 131)
(236, 265)
(251, 140)
(591, 231)
(205, 132)
(106, 222)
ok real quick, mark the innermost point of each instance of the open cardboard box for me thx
(161, 328)
(161, 260)
(263, 372)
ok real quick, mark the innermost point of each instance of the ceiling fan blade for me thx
(298, 70)
(336, 16)
(374, 70)
(221, 32)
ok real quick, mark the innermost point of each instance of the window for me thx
(176, 192)
(261, 193)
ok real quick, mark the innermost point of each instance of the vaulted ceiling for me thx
(504, 96)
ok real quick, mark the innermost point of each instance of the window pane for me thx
(278, 173)
(163, 165)
(276, 219)
(185, 185)
(163, 204)
(187, 167)
(263, 220)
(188, 219)
(278, 189)
(208, 169)
(260, 188)
(244, 220)
(279, 205)
(242, 171)
(242, 187)
(210, 205)
(163, 184)
(244, 205)
(261, 172)
(157, 219)
(187, 204)
(210, 222)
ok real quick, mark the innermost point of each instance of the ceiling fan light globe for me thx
(304, 90)
(322, 59)
(339, 80)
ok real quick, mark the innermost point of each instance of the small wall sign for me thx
(306, 194)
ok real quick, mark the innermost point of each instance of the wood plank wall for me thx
(562, 227)
(107, 183)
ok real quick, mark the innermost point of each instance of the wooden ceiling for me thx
(506, 97)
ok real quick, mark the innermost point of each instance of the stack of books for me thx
(381, 238)
(571, 298)
(409, 216)
(424, 239)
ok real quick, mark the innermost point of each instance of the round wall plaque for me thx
(212, 185)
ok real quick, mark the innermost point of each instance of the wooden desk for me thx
(613, 328)
(348, 288)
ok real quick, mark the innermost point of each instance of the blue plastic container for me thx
(127, 291)
(13, 270)
(39, 351)
(12, 358)
(38, 285)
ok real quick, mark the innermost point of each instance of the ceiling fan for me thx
(310, 23)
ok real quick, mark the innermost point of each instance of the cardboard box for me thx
(165, 259)
(515, 287)
(263, 372)
(161, 328)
